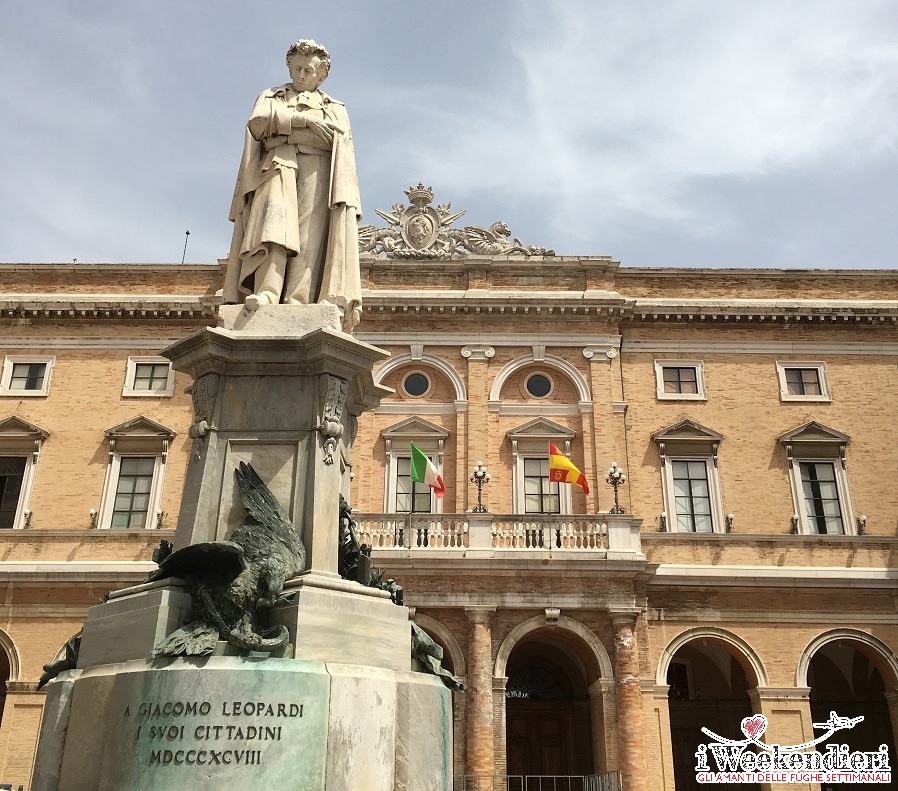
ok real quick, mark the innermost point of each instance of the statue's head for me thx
(308, 64)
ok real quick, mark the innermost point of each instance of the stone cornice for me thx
(100, 306)
(691, 575)
(107, 571)
(532, 302)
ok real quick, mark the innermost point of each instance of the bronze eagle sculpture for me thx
(234, 583)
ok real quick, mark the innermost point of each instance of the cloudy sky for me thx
(662, 132)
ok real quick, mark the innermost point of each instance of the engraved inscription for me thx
(188, 733)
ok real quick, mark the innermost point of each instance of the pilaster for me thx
(788, 713)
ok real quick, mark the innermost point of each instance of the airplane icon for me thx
(835, 722)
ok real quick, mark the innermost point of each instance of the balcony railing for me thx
(416, 532)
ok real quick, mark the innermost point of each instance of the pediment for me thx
(14, 427)
(687, 431)
(541, 428)
(140, 427)
(415, 428)
(814, 432)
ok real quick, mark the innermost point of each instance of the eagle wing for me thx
(258, 500)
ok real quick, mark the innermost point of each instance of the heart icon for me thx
(753, 727)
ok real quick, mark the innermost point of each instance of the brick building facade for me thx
(752, 571)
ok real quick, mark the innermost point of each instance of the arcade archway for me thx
(708, 681)
(851, 677)
(547, 711)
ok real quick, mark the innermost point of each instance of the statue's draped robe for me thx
(271, 196)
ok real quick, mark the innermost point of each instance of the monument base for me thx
(221, 721)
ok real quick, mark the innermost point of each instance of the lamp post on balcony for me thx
(480, 477)
(616, 478)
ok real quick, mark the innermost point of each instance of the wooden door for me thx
(540, 738)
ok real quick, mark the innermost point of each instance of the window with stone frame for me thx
(401, 493)
(817, 463)
(132, 494)
(803, 381)
(690, 479)
(20, 446)
(533, 492)
(680, 380)
(26, 376)
(149, 376)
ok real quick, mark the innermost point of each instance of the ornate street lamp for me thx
(479, 477)
(616, 478)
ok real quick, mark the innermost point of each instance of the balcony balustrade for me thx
(615, 536)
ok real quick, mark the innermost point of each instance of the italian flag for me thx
(424, 471)
(562, 470)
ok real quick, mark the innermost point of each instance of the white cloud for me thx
(625, 105)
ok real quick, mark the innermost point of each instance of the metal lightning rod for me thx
(186, 237)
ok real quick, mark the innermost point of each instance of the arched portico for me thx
(554, 692)
(755, 671)
(712, 679)
(854, 674)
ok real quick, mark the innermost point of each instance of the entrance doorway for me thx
(548, 727)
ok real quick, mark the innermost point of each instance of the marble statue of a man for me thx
(296, 204)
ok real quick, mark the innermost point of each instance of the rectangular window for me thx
(26, 376)
(802, 381)
(692, 496)
(132, 492)
(680, 380)
(12, 472)
(540, 494)
(151, 376)
(821, 497)
(411, 496)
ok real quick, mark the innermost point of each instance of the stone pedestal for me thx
(281, 388)
(215, 722)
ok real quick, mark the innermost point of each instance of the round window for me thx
(416, 384)
(538, 385)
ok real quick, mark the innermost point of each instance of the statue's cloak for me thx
(274, 156)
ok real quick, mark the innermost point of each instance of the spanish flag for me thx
(562, 470)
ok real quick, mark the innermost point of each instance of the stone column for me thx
(631, 730)
(788, 713)
(481, 757)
